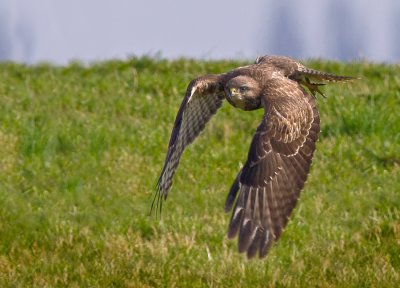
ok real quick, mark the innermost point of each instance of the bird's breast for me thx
(236, 100)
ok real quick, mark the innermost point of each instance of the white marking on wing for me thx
(245, 221)
(192, 91)
(237, 212)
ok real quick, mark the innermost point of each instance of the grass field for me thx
(81, 148)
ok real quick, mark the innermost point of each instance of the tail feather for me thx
(320, 76)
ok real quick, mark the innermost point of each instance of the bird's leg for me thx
(313, 87)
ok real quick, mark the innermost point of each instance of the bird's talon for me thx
(313, 87)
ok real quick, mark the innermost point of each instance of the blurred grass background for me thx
(81, 148)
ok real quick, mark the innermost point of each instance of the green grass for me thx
(81, 148)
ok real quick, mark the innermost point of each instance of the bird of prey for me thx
(267, 187)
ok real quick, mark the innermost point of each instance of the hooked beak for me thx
(232, 91)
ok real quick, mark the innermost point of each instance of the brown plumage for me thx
(280, 153)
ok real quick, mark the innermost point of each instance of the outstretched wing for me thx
(204, 96)
(278, 163)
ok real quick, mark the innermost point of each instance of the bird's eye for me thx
(243, 89)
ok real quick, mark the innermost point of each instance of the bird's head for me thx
(243, 92)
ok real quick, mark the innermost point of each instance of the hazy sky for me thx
(89, 30)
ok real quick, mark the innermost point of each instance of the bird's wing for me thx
(204, 96)
(278, 163)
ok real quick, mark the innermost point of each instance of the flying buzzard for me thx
(280, 153)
